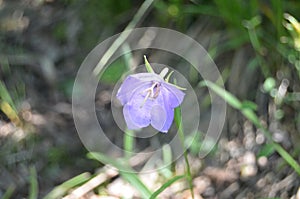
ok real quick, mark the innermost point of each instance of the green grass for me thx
(251, 116)
(178, 119)
(263, 28)
(9, 192)
(61, 190)
(125, 171)
(7, 105)
(166, 185)
(34, 189)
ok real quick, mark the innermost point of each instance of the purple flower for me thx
(149, 99)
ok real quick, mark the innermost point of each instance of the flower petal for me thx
(143, 106)
(137, 112)
(130, 124)
(147, 77)
(162, 118)
(158, 117)
(169, 121)
(128, 88)
(162, 115)
(172, 95)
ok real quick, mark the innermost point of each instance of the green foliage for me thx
(250, 115)
(5, 96)
(269, 28)
(266, 150)
(100, 15)
(9, 192)
(171, 11)
(166, 185)
(114, 72)
(178, 122)
(126, 172)
(236, 11)
(62, 189)
(67, 86)
(56, 155)
(167, 159)
(34, 189)
(7, 105)
(60, 32)
(269, 84)
(196, 146)
(129, 142)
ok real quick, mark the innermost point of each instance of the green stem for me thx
(181, 136)
(129, 140)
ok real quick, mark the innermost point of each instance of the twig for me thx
(93, 183)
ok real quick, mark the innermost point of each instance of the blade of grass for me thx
(123, 36)
(165, 185)
(34, 188)
(127, 56)
(250, 115)
(251, 26)
(5, 96)
(125, 171)
(62, 189)
(103, 176)
(9, 111)
(167, 158)
(177, 117)
(7, 105)
(201, 9)
(10, 190)
(277, 6)
(134, 180)
(230, 99)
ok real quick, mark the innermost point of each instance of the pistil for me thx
(151, 93)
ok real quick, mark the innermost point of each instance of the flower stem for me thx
(129, 142)
(178, 122)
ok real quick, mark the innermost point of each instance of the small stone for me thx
(249, 158)
(201, 183)
(248, 171)
(210, 191)
(261, 183)
(260, 138)
(262, 161)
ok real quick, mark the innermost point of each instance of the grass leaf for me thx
(7, 105)
(5, 96)
(34, 188)
(62, 189)
(166, 185)
(178, 121)
(10, 190)
(250, 115)
(228, 97)
(126, 172)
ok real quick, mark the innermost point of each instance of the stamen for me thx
(151, 93)
(156, 92)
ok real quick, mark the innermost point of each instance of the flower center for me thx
(152, 92)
